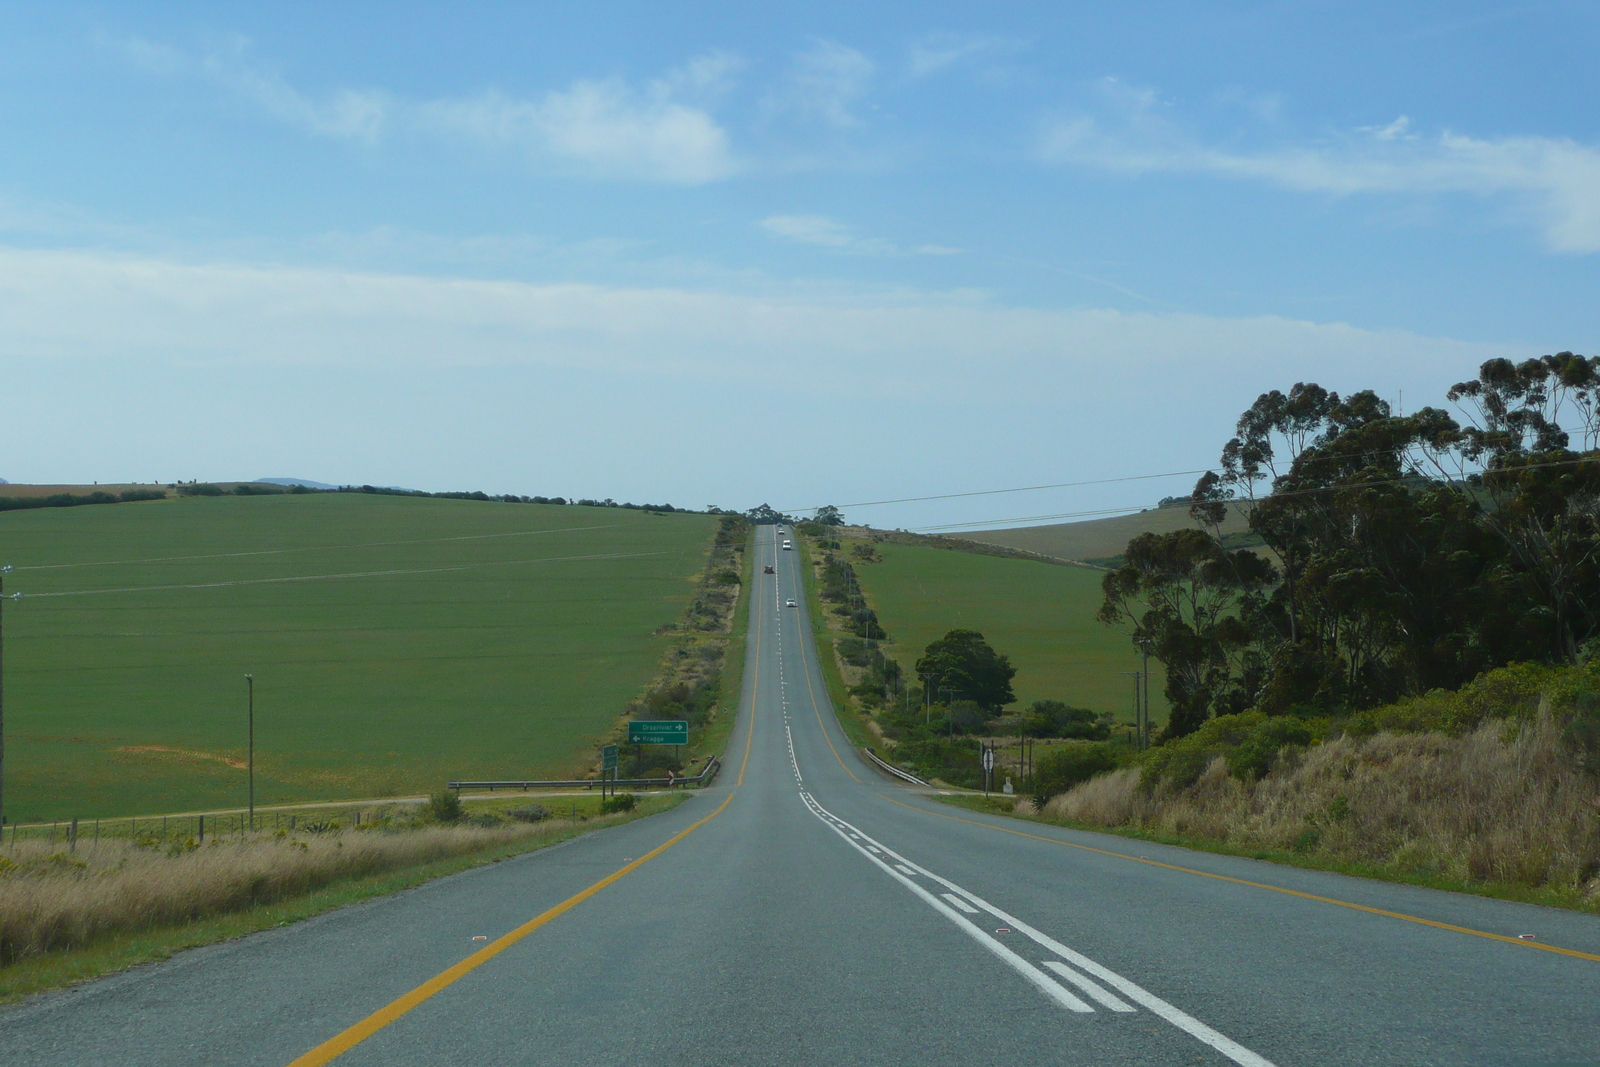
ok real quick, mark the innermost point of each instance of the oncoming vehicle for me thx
(788, 603)
(768, 569)
(788, 546)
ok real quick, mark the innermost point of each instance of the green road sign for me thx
(658, 732)
(608, 758)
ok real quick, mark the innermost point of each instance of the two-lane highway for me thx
(808, 910)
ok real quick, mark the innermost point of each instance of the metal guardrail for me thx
(707, 773)
(904, 776)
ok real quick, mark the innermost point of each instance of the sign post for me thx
(988, 768)
(608, 764)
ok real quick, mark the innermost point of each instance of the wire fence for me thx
(73, 834)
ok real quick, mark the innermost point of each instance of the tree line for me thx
(1400, 553)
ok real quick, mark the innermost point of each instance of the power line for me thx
(1129, 510)
(1109, 481)
(1274, 495)
(995, 492)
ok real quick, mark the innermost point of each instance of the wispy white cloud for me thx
(69, 304)
(661, 131)
(827, 233)
(458, 382)
(1554, 181)
(601, 127)
(825, 83)
(938, 52)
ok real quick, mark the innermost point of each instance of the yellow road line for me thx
(1262, 885)
(812, 693)
(339, 1044)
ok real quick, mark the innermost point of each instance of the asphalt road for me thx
(808, 910)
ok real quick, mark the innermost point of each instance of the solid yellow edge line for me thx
(812, 693)
(755, 688)
(339, 1044)
(1262, 885)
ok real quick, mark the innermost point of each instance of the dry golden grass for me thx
(1504, 804)
(52, 899)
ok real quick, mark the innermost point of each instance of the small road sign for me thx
(658, 732)
(608, 758)
(988, 758)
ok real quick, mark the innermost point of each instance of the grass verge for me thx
(714, 738)
(121, 950)
(854, 721)
(1571, 899)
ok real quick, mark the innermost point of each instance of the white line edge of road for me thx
(1180, 1019)
(870, 849)
(1041, 981)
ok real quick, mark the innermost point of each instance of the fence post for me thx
(202, 821)
(72, 836)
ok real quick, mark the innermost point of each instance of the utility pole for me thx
(1144, 736)
(1138, 719)
(3, 571)
(250, 687)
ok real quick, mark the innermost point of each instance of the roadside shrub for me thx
(1513, 692)
(967, 716)
(531, 813)
(619, 803)
(1255, 755)
(54, 500)
(931, 756)
(445, 806)
(1054, 718)
(853, 650)
(1179, 763)
(1501, 804)
(1068, 766)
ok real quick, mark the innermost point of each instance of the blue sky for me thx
(788, 253)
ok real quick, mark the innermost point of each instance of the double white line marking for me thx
(793, 762)
(956, 904)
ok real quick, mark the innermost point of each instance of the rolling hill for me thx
(1040, 614)
(395, 642)
(1097, 540)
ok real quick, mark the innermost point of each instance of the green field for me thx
(395, 642)
(1039, 614)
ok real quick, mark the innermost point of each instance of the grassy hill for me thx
(1040, 614)
(395, 642)
(1100, 539)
